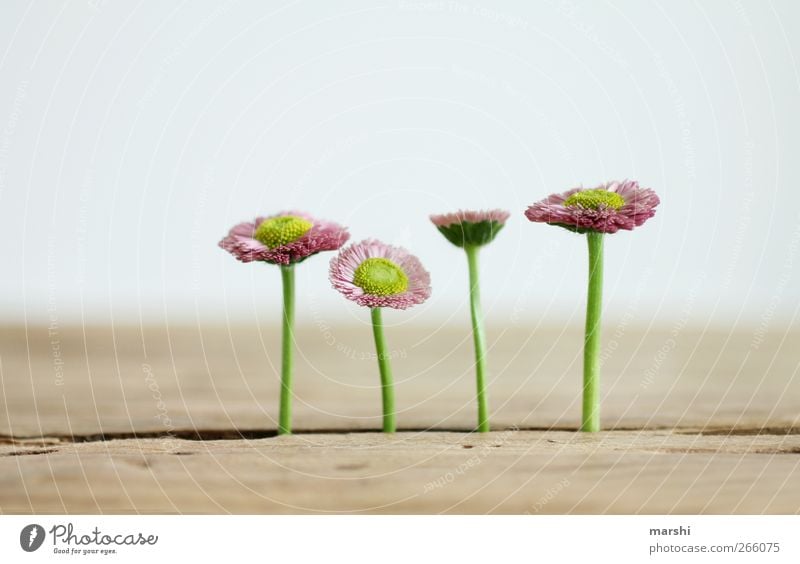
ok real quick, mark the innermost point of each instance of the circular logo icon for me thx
(31, 537)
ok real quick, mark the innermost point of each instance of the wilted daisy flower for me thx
(595, 212)
(284, 239)
(376, 275)
(472, 230)
(605, 209)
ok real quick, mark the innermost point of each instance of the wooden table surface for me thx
(182, 419)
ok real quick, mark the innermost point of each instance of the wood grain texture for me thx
(696, 421)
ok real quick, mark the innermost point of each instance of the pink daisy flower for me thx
(605, 209)
(285, 238)
(595, 212)
(470, 228)
(374, 275)
(377, 275)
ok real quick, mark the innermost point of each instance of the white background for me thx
(454, 538)
(134, 134)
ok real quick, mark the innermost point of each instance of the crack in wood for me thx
(247, 434)
(30, 452)
(252, 434)
(742, 431)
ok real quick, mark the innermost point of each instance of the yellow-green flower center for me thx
(278, 231)
(380, 277)
(594, 199)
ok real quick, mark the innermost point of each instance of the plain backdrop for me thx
(133, 135)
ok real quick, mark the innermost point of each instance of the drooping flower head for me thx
(605, 209)
(285, 238)
(470, 228)
(374, 274)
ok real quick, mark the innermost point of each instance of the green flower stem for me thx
(479, 337)
(387, 386)
(285, 417)
(591, 351)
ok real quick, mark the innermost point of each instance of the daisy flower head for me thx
(470, 228)
(374, 274)
(284, 238)
(606, 209)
